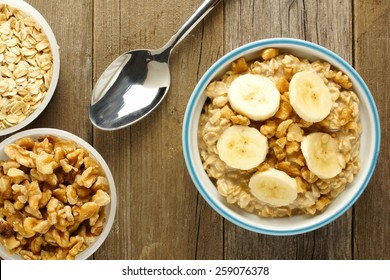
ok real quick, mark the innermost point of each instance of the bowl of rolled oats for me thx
(29, 64)
(281, 136)
(57, 196)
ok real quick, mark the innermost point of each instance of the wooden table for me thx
(160, 213)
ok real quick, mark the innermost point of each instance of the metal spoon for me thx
(137, 81)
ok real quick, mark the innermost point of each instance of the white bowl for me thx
(369, 150)
(109, 209)
(31, 11)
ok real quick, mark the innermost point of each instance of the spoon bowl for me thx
(123, 96)
(137, 81)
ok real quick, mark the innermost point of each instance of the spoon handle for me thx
(187, 27)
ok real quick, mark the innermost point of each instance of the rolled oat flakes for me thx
(26, 65)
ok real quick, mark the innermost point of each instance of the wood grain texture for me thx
(160, 213)
(157, 202)
(372, 48)
(68, 108)
(209, 235)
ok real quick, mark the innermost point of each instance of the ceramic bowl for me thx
(41, 21)
(109, 209)
(370, 139)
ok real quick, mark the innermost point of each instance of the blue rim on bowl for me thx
(297, 224)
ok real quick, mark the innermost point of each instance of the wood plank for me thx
(68, 108)
(209, 239)
(106, 47)
(157, 202)
(372, 47)
(247, 21)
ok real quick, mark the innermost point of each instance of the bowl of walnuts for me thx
(57, 196)
(281, 136)
(29, 65)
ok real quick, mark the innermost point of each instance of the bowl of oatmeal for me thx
(275, 134)
(29, 64)
(57, 196)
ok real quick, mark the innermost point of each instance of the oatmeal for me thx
(52, 198)
(26, 65)
(279, 136)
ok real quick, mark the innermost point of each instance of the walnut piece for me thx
(52, 198)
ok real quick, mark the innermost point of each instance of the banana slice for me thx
(254, 96)
(274, 187)
(242, 147)
(322, 155)
(309, 96)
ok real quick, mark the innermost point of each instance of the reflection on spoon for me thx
(137, 81)
(122, 102)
